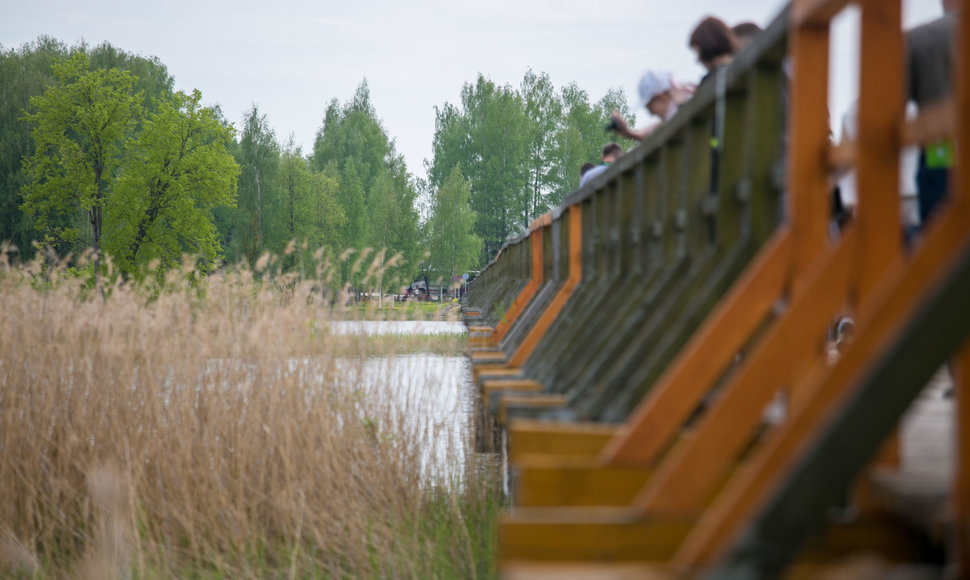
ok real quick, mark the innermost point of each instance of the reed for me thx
(212, 427)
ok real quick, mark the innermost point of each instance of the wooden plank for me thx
(960, 194)
(574, 481)
(490, 368)
(677, 393)
(491, 386)
(587, 535)
(530, 437)
(808, 181)
(525, 400)
(493, 371)
(583, 571)
(486, 356)
(911, 323)
(524, 297)
(765, 467)
(961, 185)
(696, 464)
(877, 169)
(881, 110)
(552, 310)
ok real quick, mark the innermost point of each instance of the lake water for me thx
(432, 395)
(433, 399)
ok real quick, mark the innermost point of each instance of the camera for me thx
(611, 126)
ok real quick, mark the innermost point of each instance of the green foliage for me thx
(77, 172)
(544, 110)
(79, 128)
(454, 246)
(487, 139)
(28, 72)
(24, 73)
(257, 225)
(151, 77)
(313, 217)
(145, 183)
(375, 193)
(521, 149)
(179, 169)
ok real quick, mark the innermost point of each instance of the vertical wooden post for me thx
(880, 108)
(808, 185)
(535, 280)
(877, 166)
(538, 330)
(960, 202)
(960, 178)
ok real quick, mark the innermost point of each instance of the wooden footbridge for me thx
(628, 345)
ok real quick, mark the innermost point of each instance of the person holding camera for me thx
(661, 97)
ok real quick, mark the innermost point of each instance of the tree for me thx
(78, 127)
(521, 150)
(179, 169)
(313, 215)
(487, 139)
(454, 246)
(543, 108)
(257, 225)
(376, 193)
(151, 78)
(24, 73)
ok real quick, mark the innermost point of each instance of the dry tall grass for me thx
(217, 430)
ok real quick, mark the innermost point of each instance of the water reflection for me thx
(430, 399)
(378, 327)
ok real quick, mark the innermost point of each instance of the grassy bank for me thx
(411, 310)
(215, 431)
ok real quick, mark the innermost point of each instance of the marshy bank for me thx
(223, 429)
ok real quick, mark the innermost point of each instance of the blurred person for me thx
(660, 95)
(611, 152)
(713, 43)
(745, 32)
(908, 161)
(929, 57)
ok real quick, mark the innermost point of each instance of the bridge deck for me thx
(918, 491)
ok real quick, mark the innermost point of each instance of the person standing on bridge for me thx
(611, 152)
(714, 44)
(745, 32)
(661, 96)
(929, 58)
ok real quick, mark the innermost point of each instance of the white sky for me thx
(291, 57)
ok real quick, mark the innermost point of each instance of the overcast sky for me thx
(291, 57)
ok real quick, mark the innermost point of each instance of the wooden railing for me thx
(675, 304)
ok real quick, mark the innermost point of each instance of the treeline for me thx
(520, 148)
(98, 150)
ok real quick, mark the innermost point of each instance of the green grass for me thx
(413, 310)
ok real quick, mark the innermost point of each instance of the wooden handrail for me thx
(575, 275)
